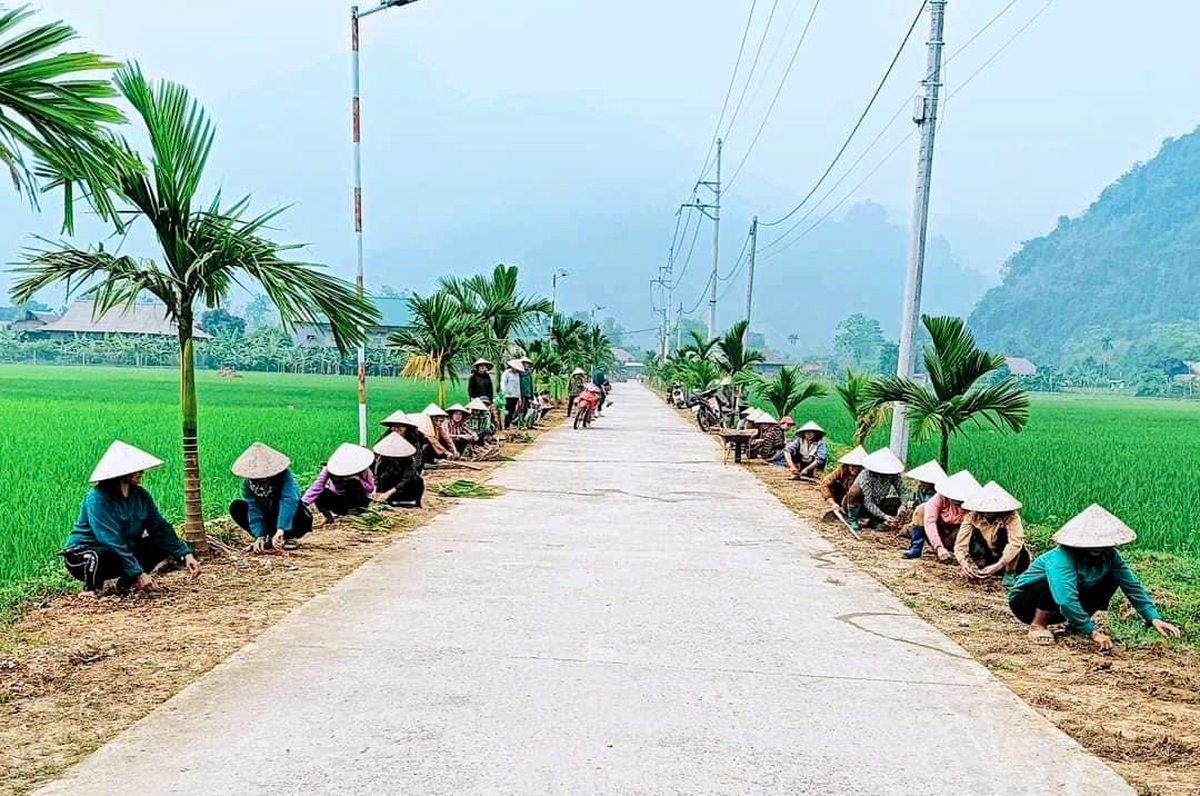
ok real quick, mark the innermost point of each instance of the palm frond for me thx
(1005, 403)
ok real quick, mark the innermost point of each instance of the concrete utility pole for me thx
(679, 327)
(750, 272)
(712, 301)
(925, 115)
(356, 144)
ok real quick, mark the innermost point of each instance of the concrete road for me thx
(630, 617)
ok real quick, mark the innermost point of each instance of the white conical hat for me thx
(960, 486)
(424, 425)
(397, 418)
(1094, 527)
(350, 459)
(477, 405)
(991, 499)
(433, 410)
(884, 462)
(927, 473)
(764, 417)
(579, 372)
(855, 457)
(516, 364)
(456, 408)
(810, 426)
(395, 446)
(481, 361)
(260, 461)
(526, 359)
(120, 459)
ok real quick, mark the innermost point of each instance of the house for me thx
(30, 321)
(393, 313)
(622, 356)
(147, 318)
(1020, 366)
(773, 367)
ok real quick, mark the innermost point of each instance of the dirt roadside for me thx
(1137, 709)
(74, 673)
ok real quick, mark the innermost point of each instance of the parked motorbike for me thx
(707, 410)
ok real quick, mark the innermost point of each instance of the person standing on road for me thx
(991, 538)
(938, 519)
(480, 384)
(526, 376)
(1065, 586)
(120, 532)
(510, 386)
(345, 483)
(269, 508)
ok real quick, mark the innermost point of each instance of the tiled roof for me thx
(141, 318)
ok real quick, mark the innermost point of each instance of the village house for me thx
(142, 318)
(393, 315)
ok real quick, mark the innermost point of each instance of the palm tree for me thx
(496, 302)
(853, 392)
(698, 374)
(205, 251)
(786, 390)
(441, 338)
(736, 359)
(55, 117)
(697, 346)
(566, 333)
(950, 400)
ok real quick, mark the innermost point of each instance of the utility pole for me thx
(925, 116)
(750, 273)
(554, 295)
(679, 327)
(712, 211)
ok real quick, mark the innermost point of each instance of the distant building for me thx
(393, 315)
(141, 318)
(622, 356)
(771, 368)
(1020, 366)
(29, 321)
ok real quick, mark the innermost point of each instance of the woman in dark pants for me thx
(120, 532)
(1064, 587)
(396, 479)
(269, 508)
(345, 484)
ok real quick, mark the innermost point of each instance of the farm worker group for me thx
(977, 527)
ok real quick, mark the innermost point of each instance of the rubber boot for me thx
(852, 512)
(918, 542)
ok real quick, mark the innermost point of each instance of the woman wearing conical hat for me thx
(575, 386)
(480, 384)
(269, 508)
(991, 539)
(1065, 586)
(120, 532)
(396, 478)
(407, 427)
(479, 420)
(938, 519)
(924, 480)
(866, 502)
(836, 484)
(771, 439)
(345, 483)
(805, 456)
(445, 446)
(458, 431)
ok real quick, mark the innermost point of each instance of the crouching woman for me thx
(269, 508)
(120, 532)
(991, 539)
(345, 483)
(396, 477)
(1065, 586)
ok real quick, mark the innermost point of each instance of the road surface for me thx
(629, 617)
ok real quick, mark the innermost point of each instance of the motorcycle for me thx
(585, 405)
(707, 410)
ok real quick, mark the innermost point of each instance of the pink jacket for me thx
(951, 514)
(324, 481)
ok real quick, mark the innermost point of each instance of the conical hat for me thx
(526, 360)
(456, 408)
(433, 410)
(515, 364)
(477, 405)
(424, 425)
(960, 486)
(991, 499)
(810, 426)
(763, 417)
(397, 418)
(927, 473)
(579, 372)
(350, 459)
(260, 461)
(1094, 527)
(120, 459)
(481, 361)
(884, 462)
(395, 446)
(855, 457)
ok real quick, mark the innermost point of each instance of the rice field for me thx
(1137, 457)
(55, 423)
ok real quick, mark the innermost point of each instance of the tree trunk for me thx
(442, 393)
(945, 457)
(193, 508)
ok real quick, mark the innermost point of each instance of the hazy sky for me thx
(1090, 88)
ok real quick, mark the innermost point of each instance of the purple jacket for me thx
(325, 481)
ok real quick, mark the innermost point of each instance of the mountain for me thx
(1124, 271)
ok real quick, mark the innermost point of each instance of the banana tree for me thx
(205, 251)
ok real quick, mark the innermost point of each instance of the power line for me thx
(753, 66)
(861, 118)
(728, 92)
(775, 99)
(738, 262)
(688, 261)
(701, 299)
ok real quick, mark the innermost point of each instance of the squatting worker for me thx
(924, 480)
(441, 426)
(1065, 586)
(836, 484)
(939, 518)
(991, 538)
(867, 498)
(805, 456)
(771, 439)
(574, 387)
(480, 420)
(460, 434)
(510, 387)
(397, 481)
(406, 427)
(269, 508)
(345, 484)
(120, 532)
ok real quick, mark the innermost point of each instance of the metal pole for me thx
(553, 301)
(679, 327)
(750, 272)
(712, 301)
(356, 125)
(925, 115)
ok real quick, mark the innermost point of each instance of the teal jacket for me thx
(274, 513)
(110, 520)
(526, 385)
(1069, 573)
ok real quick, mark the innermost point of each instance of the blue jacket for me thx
(1069, 573)
(275, 513)
(109, 520)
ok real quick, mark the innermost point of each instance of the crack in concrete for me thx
(849, 620)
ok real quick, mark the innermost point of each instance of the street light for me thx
(554, 296)
(356, 138)
(594, 310)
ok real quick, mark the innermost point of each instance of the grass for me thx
(55, 423)
(467, 489)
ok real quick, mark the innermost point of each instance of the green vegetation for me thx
(56, 422)
(467, 489)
